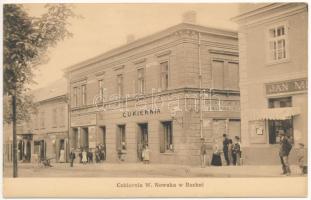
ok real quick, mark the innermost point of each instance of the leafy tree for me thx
(26, 40)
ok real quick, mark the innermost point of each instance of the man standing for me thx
(285, 148)
(72, 157)
(225, 148)
(203, 152)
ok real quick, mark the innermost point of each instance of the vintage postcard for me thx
(155, 100)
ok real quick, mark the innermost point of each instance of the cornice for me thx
(179, 30)
(269, 12)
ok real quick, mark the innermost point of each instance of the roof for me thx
(151, 38)
(53, 90)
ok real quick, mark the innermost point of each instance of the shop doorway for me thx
(40, 149)
(24, 150)
(280, 126)
(102, 143)
(85, 138)
(142, 139)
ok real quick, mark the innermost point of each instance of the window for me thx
(120, 85)
(61, 113)
(225, 75)
(83, 91)
(141, 81)
(166, 138)
(101, 88)
(164, 75)
(36, 122)
(54, 124)
(277, 41)
(280, 126)
(75, 96)
(218, 74)
(121, 138)
(42, 119)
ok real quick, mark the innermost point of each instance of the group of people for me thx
(231, 151)
(86, 156)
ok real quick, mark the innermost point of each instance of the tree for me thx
(26, 40)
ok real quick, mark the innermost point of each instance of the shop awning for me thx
(273, 113)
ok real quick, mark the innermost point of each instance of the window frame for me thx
(269, 39)
(167, 73)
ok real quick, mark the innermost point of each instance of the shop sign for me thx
(83, 120)
(287, 86)
(141, 112)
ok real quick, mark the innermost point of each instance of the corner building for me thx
(273, 45)
(167, 90)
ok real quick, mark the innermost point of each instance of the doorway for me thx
(142, 139)
(102, 142)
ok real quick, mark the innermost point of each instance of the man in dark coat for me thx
(225, 148)
(285, 148)
(72, 157)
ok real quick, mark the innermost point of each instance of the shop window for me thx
(166, 138)
(277, 43)
(141, 81)
(121, 138)
(164, 75)
(120, 85)
(280, 126)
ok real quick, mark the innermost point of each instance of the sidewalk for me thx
(147, 170)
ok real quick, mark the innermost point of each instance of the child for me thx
(302, 159)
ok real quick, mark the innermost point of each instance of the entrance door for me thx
(142, 137)
(102, 142)
(85, 138)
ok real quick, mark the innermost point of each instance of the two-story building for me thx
(46, 134)
(273, 45)
(167, 90)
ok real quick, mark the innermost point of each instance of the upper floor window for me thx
(120, 85)
(83, 91)
(141, 80)
(278, 43)
(54, 124)
(164, 76)
(225, 75)
(42, 120)
(101, 88)
(75, 96)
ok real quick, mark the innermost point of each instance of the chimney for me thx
(189, 17)
(130, 38)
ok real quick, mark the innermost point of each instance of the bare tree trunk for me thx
(14, 136)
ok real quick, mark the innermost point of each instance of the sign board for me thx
(287, 86)
(83, 120)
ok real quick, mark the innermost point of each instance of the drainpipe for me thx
(200, 77)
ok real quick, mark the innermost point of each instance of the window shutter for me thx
(161, 137)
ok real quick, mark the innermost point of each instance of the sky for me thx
(106, 26)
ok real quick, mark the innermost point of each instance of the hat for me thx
(224, 135)
(202, 139)
(237, 137)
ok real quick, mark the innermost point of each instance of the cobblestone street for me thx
(142, 170)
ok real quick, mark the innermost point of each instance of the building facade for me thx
(273, 46)
(167, 90)
(46, 133)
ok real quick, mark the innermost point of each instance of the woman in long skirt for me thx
(216, 159)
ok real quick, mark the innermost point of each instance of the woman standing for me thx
(216, 159)
(236, 151)
(230, 145)
(84, 157)
(146, 154)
